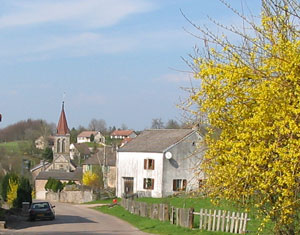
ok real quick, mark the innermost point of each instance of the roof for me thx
(156, 141)
(62, 127)
(122, 132)
(87, 133)
(109, 157)
(82, 148)
(61, 175)
(41, 164)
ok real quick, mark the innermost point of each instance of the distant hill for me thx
(25, 130)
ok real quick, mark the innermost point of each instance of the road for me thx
(73, 219)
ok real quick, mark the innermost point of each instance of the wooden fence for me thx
(211, 220)
(224, 221)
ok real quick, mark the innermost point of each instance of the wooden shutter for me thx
(174, 185)
(153, 161)
(152, 183)
(184, 183)
(145, 183)
(145, 164)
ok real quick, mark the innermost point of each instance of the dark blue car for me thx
(41, 210)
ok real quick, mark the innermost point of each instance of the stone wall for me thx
(71, 196)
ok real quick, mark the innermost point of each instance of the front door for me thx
(128, 185)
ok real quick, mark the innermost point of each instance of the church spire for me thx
(62, 127)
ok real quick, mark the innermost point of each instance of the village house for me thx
(61, 168)
(85, 136)
(159, 163)
(122, 134)
(79, 152)
(43, 142)
(105, 158)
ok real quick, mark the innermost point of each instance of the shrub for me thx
(5, 184)
(24, 193)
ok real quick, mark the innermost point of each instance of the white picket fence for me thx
(224, 221)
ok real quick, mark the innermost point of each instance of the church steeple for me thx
(62, 127)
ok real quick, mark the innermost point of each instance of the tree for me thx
(157, 123)
(98, 125)
(54, 185)
(5, 184)
(124, 126)
(12, 192)
(93, 178)
(48, 154)
(92, 138)
(249, 93)
(24, 193)
(172, 124)
(73, 135)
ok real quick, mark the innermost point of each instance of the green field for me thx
(16, 147)
(157, 227)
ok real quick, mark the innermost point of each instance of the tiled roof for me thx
(62, 127)
(110, 157)
(83, 148)
(121, 133)
(41, 164)
(155, 141)
(87, 133)
(61, 175)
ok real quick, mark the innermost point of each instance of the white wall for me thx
(131, 164)
(183, 165)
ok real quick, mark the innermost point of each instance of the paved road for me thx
(73, 219)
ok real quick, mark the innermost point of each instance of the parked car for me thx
(41, 210)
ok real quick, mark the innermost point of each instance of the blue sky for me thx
(117, 60)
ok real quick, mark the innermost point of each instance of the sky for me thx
(117, 60)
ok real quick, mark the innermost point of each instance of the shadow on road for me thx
(60, 219)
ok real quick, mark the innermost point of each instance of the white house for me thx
(85, 136)
(122, 134)
(158, 163)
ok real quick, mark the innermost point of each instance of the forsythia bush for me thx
(12, 192)
(90, 179)
(250, 94)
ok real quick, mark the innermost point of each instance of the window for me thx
(148, 183)
(201, 183)
(149, 164)
(179, 185)
(63, 146)
(58, 145)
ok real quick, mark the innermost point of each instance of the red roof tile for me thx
(121, 133)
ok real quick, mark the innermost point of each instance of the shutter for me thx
(153, 161)
(174, 185)
(145, 164)
(152, 183)
(145, 183)
(184, 185)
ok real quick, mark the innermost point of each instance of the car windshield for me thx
(42, 205)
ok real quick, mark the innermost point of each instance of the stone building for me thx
(61, 168)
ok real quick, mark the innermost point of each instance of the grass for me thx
(149, 225)
(155, 226)
(16, 147)
(105, 201)
(205, 203)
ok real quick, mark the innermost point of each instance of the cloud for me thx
(80, 13)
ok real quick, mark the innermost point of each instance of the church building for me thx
(61, 167)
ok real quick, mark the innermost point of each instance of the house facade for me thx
(85, 136)
(159, 163)
(122, 134)
(105, 158)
